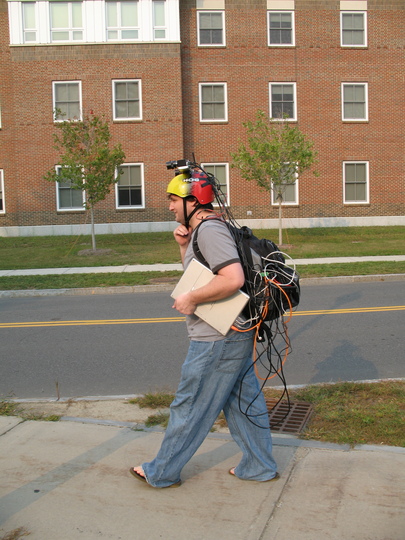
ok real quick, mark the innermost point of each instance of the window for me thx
(283, 101)
(127, 100)
(220, 171)
(2, 208)
(67, 100)
(213, 106)
(122, 20)
(29, 22)
(287, 190)
(67, 197)
(66, 21)
(353, 29)
(129, 191)
(354, 101)
(281, 28)
(211, 28)
(355, 182)
(99, 21)
(159, 19)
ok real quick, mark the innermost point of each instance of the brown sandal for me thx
(143, 479)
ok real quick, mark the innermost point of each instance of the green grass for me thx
(65, 251)
(344, 413)
(351, 269)
(9, 408)
(70, 281)
(151, 248)
(153, 400)
(11, 283)
(355, 413)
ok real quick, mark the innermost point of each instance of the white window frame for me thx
(65, 118)
(129, 118)
(68, 209)
(213, 120)
(294, 86)
(70, 29)
(94, 23)
(120, 28)
(3, 209)
(215, 12)
(351, 45)
(274, 11)
(295, 202)
(359, 162)
(365, 86)
(226, 167)
(26, 30)
(157, 28)
(131, 207)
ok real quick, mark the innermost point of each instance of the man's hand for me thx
(224, 284)
(182, 235)
(184, 304)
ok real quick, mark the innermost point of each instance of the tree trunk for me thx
(280, 223)
(93, 234)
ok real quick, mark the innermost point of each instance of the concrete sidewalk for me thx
(168, 267)
(70, 479)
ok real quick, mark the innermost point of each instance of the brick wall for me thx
(318, 65)
(170, 128)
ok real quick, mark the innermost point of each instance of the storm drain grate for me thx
(285, 419)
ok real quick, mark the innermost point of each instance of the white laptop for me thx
(220, 314)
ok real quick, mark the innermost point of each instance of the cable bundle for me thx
(273, 289)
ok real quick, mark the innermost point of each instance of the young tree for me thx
(87, 161)
(276, 154)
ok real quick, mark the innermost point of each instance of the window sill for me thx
(68, 211)
(130, 208)
(356, 203)
(210, 122)
(281, 46)
(127, 121)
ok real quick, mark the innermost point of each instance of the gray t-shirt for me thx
(219, 250)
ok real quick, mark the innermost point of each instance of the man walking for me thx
(217, 373)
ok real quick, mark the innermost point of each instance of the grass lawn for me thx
(344, 413)
(151, 248)
(354, 413)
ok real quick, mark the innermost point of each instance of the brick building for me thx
(177, 77)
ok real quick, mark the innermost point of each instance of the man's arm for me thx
(229, 279)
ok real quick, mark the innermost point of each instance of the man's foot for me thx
(275, 477)
(139, 474)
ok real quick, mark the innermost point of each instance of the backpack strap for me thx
(197, 253)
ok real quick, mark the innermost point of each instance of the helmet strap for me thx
(188, 217)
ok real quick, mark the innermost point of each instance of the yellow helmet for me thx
(196, 185)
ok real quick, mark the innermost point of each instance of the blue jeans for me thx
(211, 379)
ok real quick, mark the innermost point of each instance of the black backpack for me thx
(273, 286)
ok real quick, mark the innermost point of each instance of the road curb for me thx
(168, 287)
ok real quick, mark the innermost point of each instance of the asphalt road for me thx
(125, 344)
